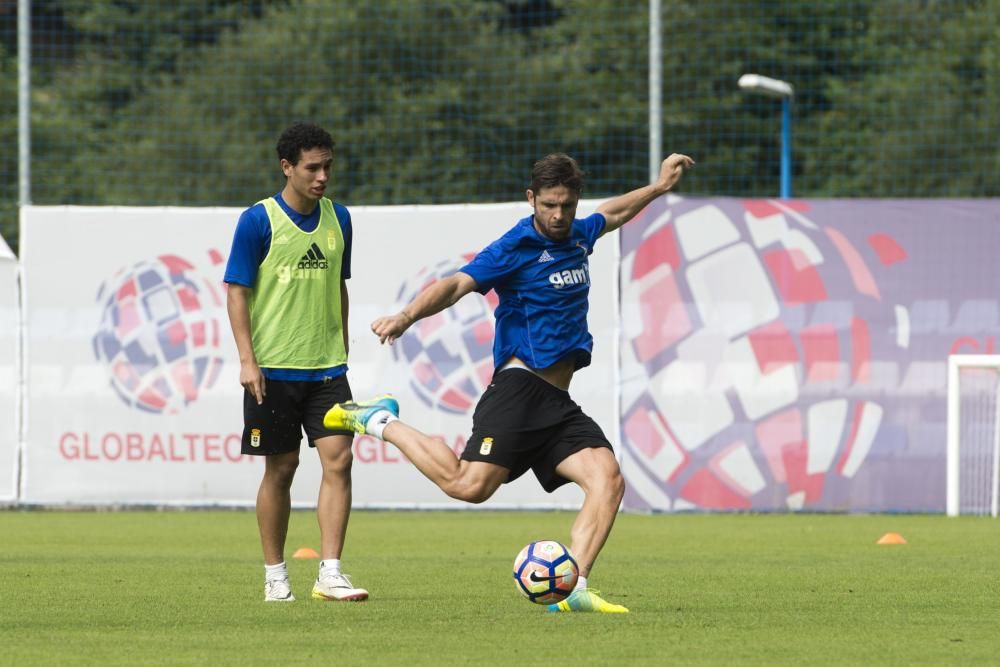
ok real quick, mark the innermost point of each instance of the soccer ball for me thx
(545, 572)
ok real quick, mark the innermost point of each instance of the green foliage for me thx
(452, 100)
(9, 157)
(924, 115)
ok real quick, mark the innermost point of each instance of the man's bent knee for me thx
(475, 484)
(617, 487)
(475, 492)
(610, 482)
(339, 465)
(280, 469)
(336, 456)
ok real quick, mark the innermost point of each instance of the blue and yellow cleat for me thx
(354, 416)
(587, 600)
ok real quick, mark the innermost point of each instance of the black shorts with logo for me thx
(289, 408)
(524, 423)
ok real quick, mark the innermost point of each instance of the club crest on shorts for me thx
(486, 447)
(255, 437)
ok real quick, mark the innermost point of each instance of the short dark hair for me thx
(300, 137)
(554, 170)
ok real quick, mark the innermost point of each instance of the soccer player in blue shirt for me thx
(526, 419)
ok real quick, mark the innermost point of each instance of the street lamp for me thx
(762, 85)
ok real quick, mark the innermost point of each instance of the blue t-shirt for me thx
(251, 243)
(543, 287)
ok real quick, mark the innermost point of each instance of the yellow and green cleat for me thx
(354, 416)
(587, 600)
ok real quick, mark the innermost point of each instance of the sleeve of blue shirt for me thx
(251, 243)
(593, 226)
(344, 216)
(494, 263)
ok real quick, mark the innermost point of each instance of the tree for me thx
(452, 100)
(122, 52)
(9, 158)
(921, 120)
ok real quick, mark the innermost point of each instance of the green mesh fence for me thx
(438, 101)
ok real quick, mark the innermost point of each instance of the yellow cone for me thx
(305, 552)
(891, 538)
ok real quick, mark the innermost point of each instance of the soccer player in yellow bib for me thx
(288, 305)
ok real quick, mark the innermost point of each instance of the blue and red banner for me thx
(792, 354)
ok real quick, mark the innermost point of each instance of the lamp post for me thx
(762, 85)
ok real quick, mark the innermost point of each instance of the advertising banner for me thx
(133, 381)
(782, 355)
(749, 354)
(129, 357)
(10, 398)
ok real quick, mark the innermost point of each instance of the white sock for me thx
(378, 421)
(275, 572)
(581, 583)
(329, 566)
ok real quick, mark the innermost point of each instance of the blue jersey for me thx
(543, 287)
(251, 243)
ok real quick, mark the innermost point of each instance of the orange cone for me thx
(305, 552)
(891, 538)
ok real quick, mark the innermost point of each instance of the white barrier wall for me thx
(771, 355)
(10, 321)
(133, 383)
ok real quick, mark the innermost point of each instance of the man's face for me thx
(555, 209)
(308, 178)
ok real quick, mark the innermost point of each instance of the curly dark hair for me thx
(554, 170)
(300, 137)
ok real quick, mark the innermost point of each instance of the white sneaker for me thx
(278, 590)
(337, 587)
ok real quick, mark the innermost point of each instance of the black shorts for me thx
(522, 422)
(275, 426)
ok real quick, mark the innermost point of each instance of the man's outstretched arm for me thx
(621, 209)
(435, 298)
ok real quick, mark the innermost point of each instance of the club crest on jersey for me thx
(569, 277)
(486, 447)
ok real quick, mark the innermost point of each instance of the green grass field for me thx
(185, 588)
